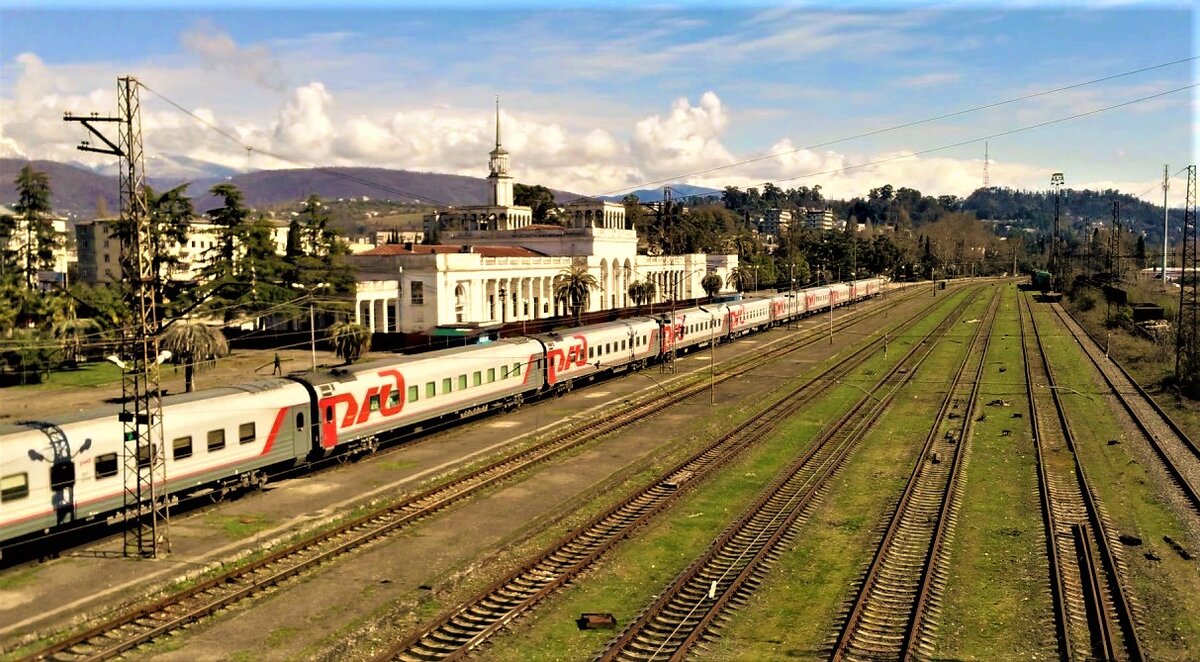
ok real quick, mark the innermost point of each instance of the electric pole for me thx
(1166, 225)
(145, 467)
(1187, 345)
(1114, 243)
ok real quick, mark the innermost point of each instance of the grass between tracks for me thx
(1166, 586)
(795, 614)
(997, 600)
(627, 581)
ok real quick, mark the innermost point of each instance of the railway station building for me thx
(495, 265)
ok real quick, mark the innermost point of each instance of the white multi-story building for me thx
(100, 252)
(496, 266)
(819, 219)
(775, 221)
(18, 243)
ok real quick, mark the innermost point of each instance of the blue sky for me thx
(610, 97)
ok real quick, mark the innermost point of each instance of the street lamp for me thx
(503, 306)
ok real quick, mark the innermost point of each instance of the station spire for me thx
(497, 121)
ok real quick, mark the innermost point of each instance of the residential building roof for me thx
(425, 249)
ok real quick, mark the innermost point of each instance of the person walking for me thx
(277, 370)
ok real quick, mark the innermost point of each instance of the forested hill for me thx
(904, 206)
(1036, 209)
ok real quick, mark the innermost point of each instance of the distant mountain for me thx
(677, 191)
(77, 190)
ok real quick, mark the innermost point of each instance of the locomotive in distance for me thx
(66, 470)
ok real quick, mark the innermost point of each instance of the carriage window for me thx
(477, 378)
(447, 385)
(246, 431)
(329, 414)
(394, 398)
(591, 352)
(14, 486)
(413, 393)
(106, 465)
(516, 371)
(504, 372)
(373, 402)
(462, 382)
(300, 421)
(430, 389)
(216, 438)
(491, 375)
(181, 447)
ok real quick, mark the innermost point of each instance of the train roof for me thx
(592, 328)
(350, 372)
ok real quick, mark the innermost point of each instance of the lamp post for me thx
(503, 306)
(712, 360)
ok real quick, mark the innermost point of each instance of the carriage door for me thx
(328, 424)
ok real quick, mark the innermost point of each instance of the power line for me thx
(905, 125)
(1010, 132)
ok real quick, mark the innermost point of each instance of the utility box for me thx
(1146, 312)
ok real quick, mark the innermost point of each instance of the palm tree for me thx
(712, 284)
(197, 346)
(350, 340)
(642, 292)
(572, 286)
(742, 277)
(72, 333)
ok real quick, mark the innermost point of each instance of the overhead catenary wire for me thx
(905, 125)
(970, 141)
(873, 132)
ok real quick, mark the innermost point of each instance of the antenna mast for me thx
(987, 182)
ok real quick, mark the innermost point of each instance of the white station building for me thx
(500, 267)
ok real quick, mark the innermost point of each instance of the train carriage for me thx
(57, 473)
(839, 293)
(582, 352)
(748, 316)
(693, 327)
(361, 402)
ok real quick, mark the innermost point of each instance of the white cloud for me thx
(304, 127)
(590, 154)
(684, 140)
(217, 50)
(929, 80)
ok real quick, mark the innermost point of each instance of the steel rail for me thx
(749, 542)
(1190, 491)
(1103, 632)
(457, 632)
(240, 583)
(904, 520)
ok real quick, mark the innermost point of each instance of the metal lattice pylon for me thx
(144, 456)
(1187, 345)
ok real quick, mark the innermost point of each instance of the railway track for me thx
(1178, 453)
(694, 604)
(886, 619)
(144, 623)
(1094, 617)
(455, 634)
